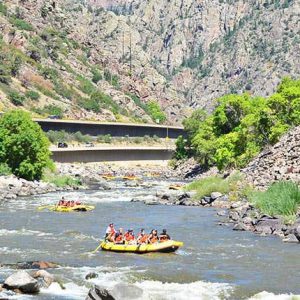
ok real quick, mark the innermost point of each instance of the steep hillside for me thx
(52, 63)
(179, 54)
(209, 48)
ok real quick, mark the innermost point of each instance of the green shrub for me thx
(23, 145)
(16, 98)
(155, 112)
(85, 85)
(113, 79)
(281, 198)
(96, 75)
(62, 90)
(205, 186)
(5, 169)
(51, 110)
(62, 180)
(3, 9)
(107, 139)
(82, 138)
(5, 74)
(138, 102)
(33, 95)
(49, 73)
(89, 104)
(21, 24)
(59, 136)
(138, 140)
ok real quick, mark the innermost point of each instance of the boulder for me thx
(222, 213)
(240, 227)
(44, 278)
(91, 275)
(267, 225)
(36, 265)
(291, 238)
(247, 220)
(120, 291)
(234, 216)
(215, 195)
(22, 281)
(151, 202)
(297, 233)
(98, 293)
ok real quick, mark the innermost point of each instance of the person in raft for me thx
(129, 237)
(61, 201)
(110, 232)
(164, 236)
(153, 237)
(119, 237)
(142, 237)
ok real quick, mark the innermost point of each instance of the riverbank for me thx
(87, 174)
(242, 215)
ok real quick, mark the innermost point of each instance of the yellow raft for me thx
(109, 177)
(130, 177)
(59, 208)
(166, 247)
(175, 187)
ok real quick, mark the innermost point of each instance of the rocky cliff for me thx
(182, 54)
(280, 162)
(208, 48)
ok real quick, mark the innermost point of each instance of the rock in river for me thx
(22, 281)
(120, 291)
(44, 278)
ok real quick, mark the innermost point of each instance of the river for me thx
(215, 262)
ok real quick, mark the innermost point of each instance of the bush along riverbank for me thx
(275, 211)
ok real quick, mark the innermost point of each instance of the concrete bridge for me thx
(112, 153)
(114, 129)
(116, 154)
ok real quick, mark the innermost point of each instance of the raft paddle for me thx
(44, 207)
(97, 248)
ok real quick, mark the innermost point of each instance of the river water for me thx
(215, 262)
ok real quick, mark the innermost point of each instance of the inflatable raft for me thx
(175, 187)
(59, 208)
(166, 247)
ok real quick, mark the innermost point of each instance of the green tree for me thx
(181, 151)
(24, 148)
(241, 126)
(155, 112)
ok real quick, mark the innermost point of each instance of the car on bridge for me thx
(62, 145)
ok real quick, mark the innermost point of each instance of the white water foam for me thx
(180, 291)
(23, 231)
(109, 277)
(71, 291)
(270, 296)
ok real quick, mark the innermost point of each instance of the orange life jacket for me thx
(128, 237)
(163, 238)
(119, 238)
(153, 239)
(143, 238)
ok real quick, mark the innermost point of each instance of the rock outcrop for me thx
(135, 51)
(23, 282)
(118, 292)
(26, 282)
(280, 162)
(12, 187)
